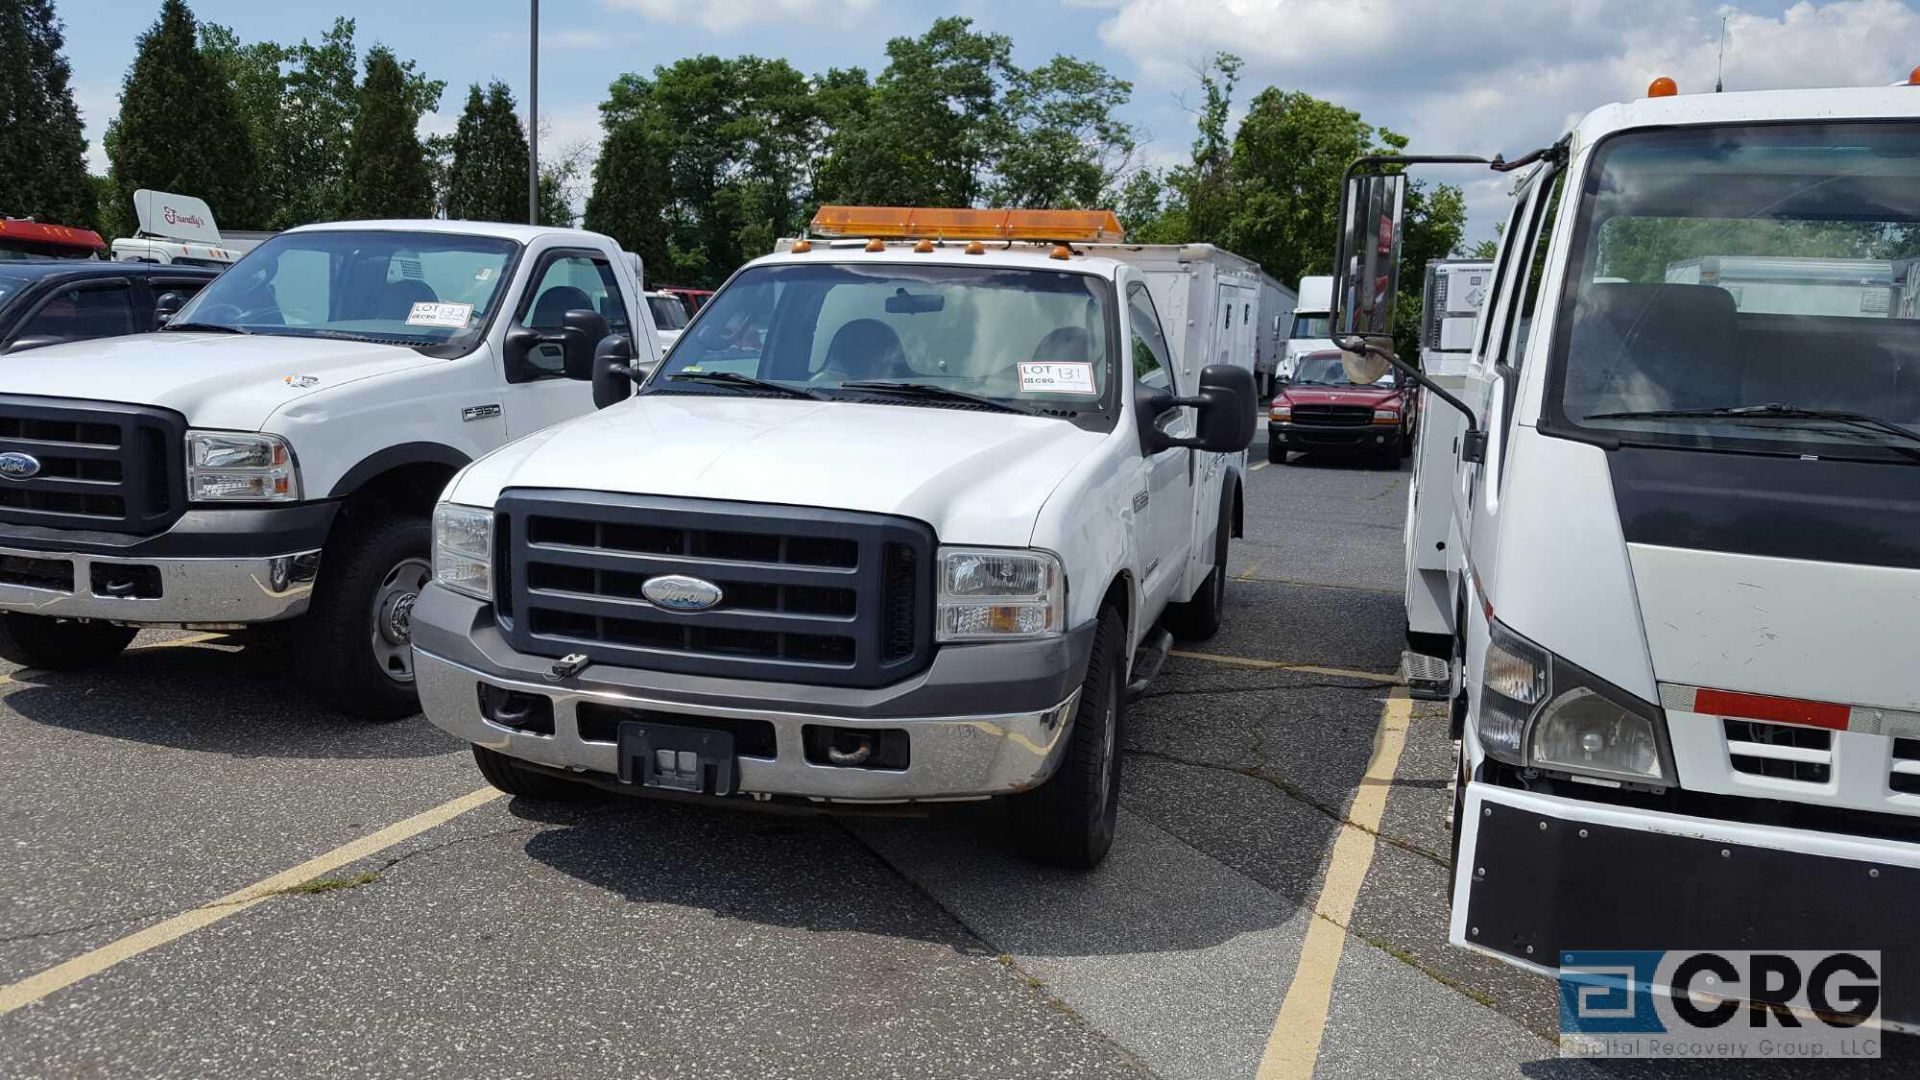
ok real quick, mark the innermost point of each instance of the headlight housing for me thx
(1386, 416)
(1542, 712)
(463, 549)
(1282, 410)
(999, 594)
(234, 466)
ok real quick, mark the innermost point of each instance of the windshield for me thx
(668, 312)
(409, 288)
(1036, 338)
(1729, 267)
(10, 286)
(1325, 369)
(1312, 326)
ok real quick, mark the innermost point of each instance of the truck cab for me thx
(273, 454)
(1682, 547)
(899, 520)
(1310, 330)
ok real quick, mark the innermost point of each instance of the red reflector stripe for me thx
(1777, 709)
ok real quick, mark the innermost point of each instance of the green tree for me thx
(630, 193)
(179, 128)
(42, 148)
(386, 172)
(1201, 195)
(1064, 146)
(487, 180)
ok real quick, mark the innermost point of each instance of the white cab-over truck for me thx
(890, 524)
(1309, 332)
(1681, 539)
(275, 452)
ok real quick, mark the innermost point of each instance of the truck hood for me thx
(975, 477)
(1796, 628)
(214, 380)
(1344, 395)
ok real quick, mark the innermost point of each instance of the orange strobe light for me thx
(1662, 87)
(1913, 77)
(920, 222)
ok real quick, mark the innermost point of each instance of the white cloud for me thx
(720, 16)
(1509, 75)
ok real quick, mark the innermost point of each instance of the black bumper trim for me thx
(254, 532)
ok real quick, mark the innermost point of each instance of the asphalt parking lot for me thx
(206, 877)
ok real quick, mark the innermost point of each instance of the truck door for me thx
(564, 279)
(1163, 503)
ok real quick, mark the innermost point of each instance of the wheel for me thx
(41, 641)
(515, 778)
(1276, 454)
(1068, 821)
(356, 641)
(1199, 618)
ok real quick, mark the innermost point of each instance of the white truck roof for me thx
(502, 230)
(1751, 106)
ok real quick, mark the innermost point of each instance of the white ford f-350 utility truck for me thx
(889, 524)
(1677, 552)
(275, 452)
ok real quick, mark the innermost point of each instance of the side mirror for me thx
(582, 331)
(1226, 403)
(1366, 265)
(613, 373)
(166, 306)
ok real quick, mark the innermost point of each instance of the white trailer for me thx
(1277, 305)
(1208, 299)
(1783, 285)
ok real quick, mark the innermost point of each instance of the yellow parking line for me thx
(1275, 665)
(1260, 466)
(174, 643)
(1294, 1045)
(34, 987)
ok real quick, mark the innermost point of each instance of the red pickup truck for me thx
(1322, 411)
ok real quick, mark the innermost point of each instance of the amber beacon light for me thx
(1662, 87)
(916, 223)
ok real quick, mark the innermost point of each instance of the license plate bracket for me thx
(675, 758)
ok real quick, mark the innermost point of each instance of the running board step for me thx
(1428, 678)
(1148, 659)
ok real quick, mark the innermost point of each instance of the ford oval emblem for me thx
(18, 466)
(678, 592)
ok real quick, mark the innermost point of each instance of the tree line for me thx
(703, 162)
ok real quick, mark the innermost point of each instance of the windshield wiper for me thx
(1771, 411)
(219, 328)
(930, 392)
(743, 382)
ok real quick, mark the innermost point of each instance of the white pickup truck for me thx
(890, 524)
(275, 451)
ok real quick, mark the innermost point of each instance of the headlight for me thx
(994, 594)
(463, 549)
(1281, 411)
(225, 466)
(1386, 416)
(1538, 710)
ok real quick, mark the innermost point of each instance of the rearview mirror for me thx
(1366, 266)
(166, 306)
(582, 331)
(613, 373)
(1226, 404)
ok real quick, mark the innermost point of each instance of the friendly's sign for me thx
(175, 217)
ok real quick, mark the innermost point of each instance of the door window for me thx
(571, 283)
(1151, 364)
(80, 312)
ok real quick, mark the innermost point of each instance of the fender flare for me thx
(393, 457)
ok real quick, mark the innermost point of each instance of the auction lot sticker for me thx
(451, 316)
(1038, 377)
(1674, 1003)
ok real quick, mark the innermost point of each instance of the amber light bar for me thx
(935, 223)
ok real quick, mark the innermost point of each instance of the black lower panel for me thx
(1554, 890)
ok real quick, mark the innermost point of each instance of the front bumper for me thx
(1540, 875)
(981, 720)
(74, 585)
(1332, 436)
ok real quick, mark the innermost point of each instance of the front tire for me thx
(50, 644)
(1276, 453)
(1069, 820)
(514, 778)
(355, 642)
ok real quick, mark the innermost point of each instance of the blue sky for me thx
(1491, 75)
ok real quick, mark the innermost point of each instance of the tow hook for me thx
(568, 666)
(862, 749)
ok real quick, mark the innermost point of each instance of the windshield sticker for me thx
(1040, 377)
(451, 316)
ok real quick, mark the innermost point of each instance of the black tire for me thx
(358, 599)
(1276, 454)
(515, 778)
(1199, 618)
(1068, 821)
(50, 644)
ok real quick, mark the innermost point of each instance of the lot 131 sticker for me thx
(451, 316)
(1051, 377)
